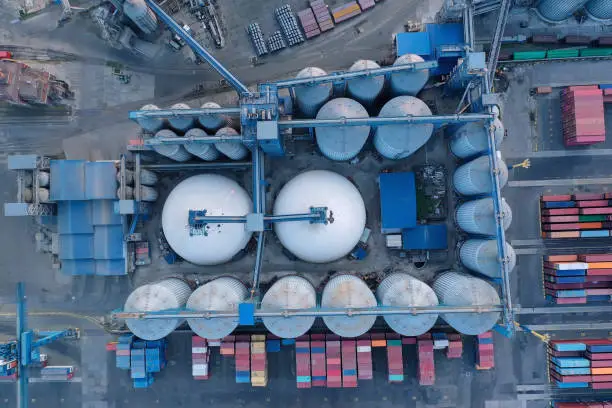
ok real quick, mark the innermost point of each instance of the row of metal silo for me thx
(293, 293)
(148, 179)
(556, 11)
(210, 123)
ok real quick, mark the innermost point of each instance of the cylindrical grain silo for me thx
(400, 141)
(320, 242)
(170, 293)
(141, 15)
(43, 178)
(43, 194)
(147, 177)
(129, 193)
(482, 256)
(216, 243)
(148, 193)
(175, 152)
(599, 10)
(27, 195)
(28, 178)
(555, 11)
(289, 293)
(473, 138)
(150, 124)
(342, 142)
(205, 151)
(478, 216)
(222, 294)
(474, 177)
(365, 90)
(233, 150)
(345, 292)
(401, 289)
(458, 289)
(310, 98)
(408, 82)
(212, 123)
(181, 123)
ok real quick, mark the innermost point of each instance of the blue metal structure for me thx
(425, 237)
(397, 201)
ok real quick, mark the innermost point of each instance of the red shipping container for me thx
(598, 278)
(601, 385)
(565, 197)
(560, 218)
(597, 210)
(587, 196)
(561, 211)
(593, 203)
(601, 363)
(598, 356)
(598, 272)
(595, 258)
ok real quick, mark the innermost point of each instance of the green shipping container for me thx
(591, 218)
(563, 53)
(529, 55)
(596, 52)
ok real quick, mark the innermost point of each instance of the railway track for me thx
(569, 59)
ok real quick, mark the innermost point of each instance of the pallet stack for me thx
(200, 356)
(455, 346)
(485, 354)
(334, 362)
(276, 42)
(346, 11)
(288, 23)
(317, 360)
(581, 363)
(321, 13)
(302, 364)
(578, 279)
(426, 374)
(243, 361)
(585, 215)
(257, 38)
(364, 358)
(309, 23)
(349, 364)
(583, 115)
(259, 365)
(395, 360)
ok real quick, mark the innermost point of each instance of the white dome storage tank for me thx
(222, 294)
(482, 256)
(400, 141)
(180, 123)
(348, 291)
(205, 151)
(401, 289)
(478, 216)
(289, 293)
(316, 242)
(169, 293)
(218, 195)
(458, 289)
(474, 177)
(342, 142)
(233, 150)
(212, 123)
(473, 138)
(150, 124)
(408, 82)
(175, 152)
(310, 98)
(365, 90)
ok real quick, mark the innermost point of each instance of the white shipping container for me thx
(571, 265)
(214, 343)
(199, 350)
(364, 349)
(440, 344)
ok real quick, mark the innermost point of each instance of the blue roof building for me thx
(397, 202)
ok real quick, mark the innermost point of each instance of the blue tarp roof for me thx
(426, 236)
(110, 267)
(67, 180)
(103, 213)
(108, 242)
(76, 246)
(397, 201)
(413, 43)
(101, 180)
(78, 267)
(74, 217)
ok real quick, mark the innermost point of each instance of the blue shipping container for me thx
(599, 298)
(570, 293)
(273, 346)
(349, 372)
(485, 341)
(570, 272)
(319, 378)
(570, 362)
(594, 234)
(303, 378)
(600, 348)
(571, 385)
(569, 346)
(569, 279)
(318, 350)
(572, 371)
(287, 342)
(396, 377)
(302, 350)
(559, 204)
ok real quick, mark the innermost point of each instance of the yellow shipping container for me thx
(600, 265)
(258, 337)
(346, 11)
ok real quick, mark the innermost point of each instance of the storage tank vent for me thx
(555, 11)
(181, 123)
(478, 216)
(170, 293)
(150, 124)
(458, 289)
(222, 295)
(218, 195)
(401, 289)
(408, 82)
(342, 142)
(212, 123)
(474, 177)
(174, 152)
(310, 98)
(233, 150)
(400, 141)
(473, 138)
(289, 293)
(482, 256)
(205, 151)
(320, 243)
(365, 90)
(347, 291)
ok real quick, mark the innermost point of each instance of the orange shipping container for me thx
(563, 234)
(346, 11)
(590, 225)
(600, 265)
(561, 258)
(605, 370)
(379, 343)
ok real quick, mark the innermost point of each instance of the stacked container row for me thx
(309, 23)
(578, 279)
(200, 356)
(334, 364)
(485, 355)
(321, 13)
(584, 215)
(395, 360)
(583, 115)
(581, 363)
(317, 362)
(349, 364)
(346, 11)
(243, 362)
(259, 365)
(364, 358)
(302, 364)
(426, 373)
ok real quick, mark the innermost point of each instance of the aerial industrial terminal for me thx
(424, 221)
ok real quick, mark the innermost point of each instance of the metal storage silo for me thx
(289, 293)
(43, 194)
(482, 256)
(401, 289)
(348, 291)
(318, 242)
(43, 178)
(129, 193)
(342, 142)
(150, 124)
(170, 293)
(599, 9)
(478, 216)
(212, 123)
(365, 90)
(310, 98)
(233, 150)
(218, 195)
(555, 11)
(141, 15)
(400, 141)
(175, 152)
(181, 123)
(474, 177)
(222, 294)
(205, 151)
(147, 177)
(148, 193)
(408, 82)
(473, 138)
(458, 289)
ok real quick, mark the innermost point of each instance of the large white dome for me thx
(320, 243)
(219, 195)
